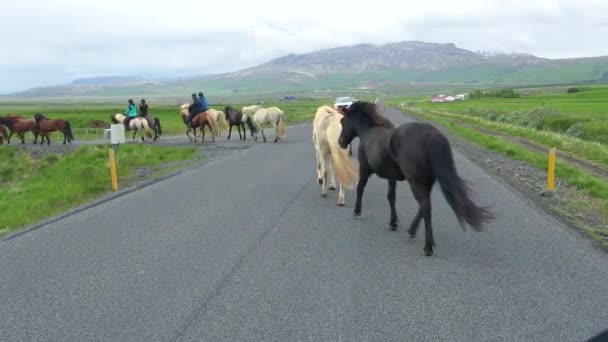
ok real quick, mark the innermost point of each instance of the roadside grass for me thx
(582, 115)
(81, 115)
(591, 187)
(38, 188)
(591, 151)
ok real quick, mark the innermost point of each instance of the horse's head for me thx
(39, 117)
(117, 118)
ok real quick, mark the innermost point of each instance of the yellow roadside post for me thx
(117, 136)
(113, 170)
(551, 169)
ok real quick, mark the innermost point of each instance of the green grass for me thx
(592, 186)
(582, 115)
(80, 114)
(590, 151)
(37, 188)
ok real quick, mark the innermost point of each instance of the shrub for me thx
(577, 131)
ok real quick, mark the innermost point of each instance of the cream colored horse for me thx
(137, 125)
(220, 118)
(332, 160)
(270, 115)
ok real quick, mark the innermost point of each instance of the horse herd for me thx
(414, 152)
(254, 117)
(40, 125)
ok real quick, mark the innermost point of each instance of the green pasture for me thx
(35, 187)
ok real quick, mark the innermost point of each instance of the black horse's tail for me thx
(455, 190)
(68, 130)
(252, 127)
(157, 124)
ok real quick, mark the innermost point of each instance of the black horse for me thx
(235, 118)
(416, 152)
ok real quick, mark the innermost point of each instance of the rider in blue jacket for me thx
(130, 112)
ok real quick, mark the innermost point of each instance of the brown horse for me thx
(202, 120)
(20, 125)
(47, 126)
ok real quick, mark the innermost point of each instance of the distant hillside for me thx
(105, 80)
(362, 66)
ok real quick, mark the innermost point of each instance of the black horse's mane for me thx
(39, 116)
(366, 112)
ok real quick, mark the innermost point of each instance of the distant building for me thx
(439, 98)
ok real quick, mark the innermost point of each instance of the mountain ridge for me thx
(405, 62)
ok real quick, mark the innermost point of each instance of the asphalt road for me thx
(243, 248)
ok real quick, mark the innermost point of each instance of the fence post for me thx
(551, 169)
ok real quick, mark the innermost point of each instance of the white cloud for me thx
(72, 38)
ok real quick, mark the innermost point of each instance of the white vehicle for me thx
(344, 102)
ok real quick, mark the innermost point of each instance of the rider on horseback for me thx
(130, 112)
(203, 101)
(195, 108)
(143, 108)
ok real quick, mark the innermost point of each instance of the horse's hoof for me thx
(412, 236)
(393, 226)
(332, 187)
(428, 253)
(323, 195)
(320, 181)
(356, 213)
(340, 204)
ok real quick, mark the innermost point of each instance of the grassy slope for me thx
(34, 189)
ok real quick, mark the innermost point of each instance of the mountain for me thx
(363, 66)
(109, 80)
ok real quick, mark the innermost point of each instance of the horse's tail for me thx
(212, 124)
(222, 120)
(250, 124)
(281, 124)
(344, 167)
(157, 125)
(3, 134)
(455, 190)
(68, 130)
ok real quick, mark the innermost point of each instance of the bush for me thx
(577, 131)
(573, 90)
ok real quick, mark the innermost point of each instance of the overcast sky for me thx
(55, 41)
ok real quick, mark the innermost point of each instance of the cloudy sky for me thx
(55, 41)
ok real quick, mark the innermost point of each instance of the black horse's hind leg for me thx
(230, 132)
(422, 194)
(65, 137)
(391, 196)
(363, 178)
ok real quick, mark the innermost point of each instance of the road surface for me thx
(243, 248)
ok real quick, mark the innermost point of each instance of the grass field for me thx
(81, 114)
(37, 187)
(582, 115)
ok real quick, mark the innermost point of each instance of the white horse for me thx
(270, 115)
(331, 158)
(137, 125)
(220, 118)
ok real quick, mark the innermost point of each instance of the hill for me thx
(363, 66)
